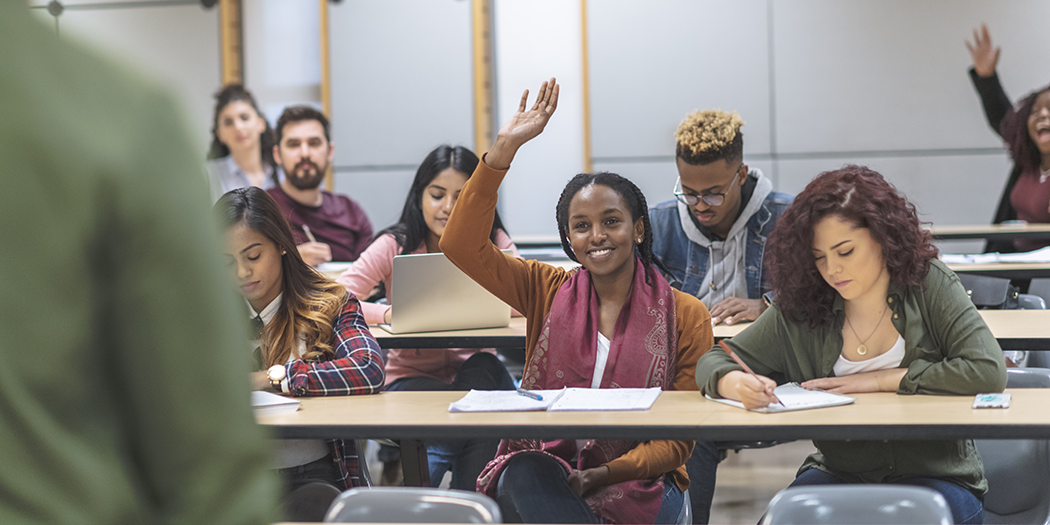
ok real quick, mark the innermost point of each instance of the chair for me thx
(412, 505)
(1018, 471)
(856, 504)
(1040, 287)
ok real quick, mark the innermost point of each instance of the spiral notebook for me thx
(794, 397)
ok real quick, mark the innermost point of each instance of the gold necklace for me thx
(863, 349)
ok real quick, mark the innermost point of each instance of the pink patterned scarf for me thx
(642, 354)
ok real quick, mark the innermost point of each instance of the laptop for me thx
(431, 294)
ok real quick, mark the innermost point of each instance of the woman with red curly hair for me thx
(867, 307)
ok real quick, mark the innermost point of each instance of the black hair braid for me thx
(636, 205)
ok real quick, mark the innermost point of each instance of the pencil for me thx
(309, 234)
(743, 365)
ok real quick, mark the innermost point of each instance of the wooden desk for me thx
(1014, 329)
(413, 417)
(512, 336)
(1005, 270)
(991, 231)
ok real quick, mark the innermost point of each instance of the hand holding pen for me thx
(764, 383)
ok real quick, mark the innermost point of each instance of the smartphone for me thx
(991, 401)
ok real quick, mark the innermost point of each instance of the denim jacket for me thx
(687, 261)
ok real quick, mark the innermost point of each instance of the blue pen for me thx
(533, 395)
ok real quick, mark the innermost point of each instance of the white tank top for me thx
(889, 360)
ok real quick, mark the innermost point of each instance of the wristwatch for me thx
(276, 374)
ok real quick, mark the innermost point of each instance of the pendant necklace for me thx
(863, 349)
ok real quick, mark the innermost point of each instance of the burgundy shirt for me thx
(338, 222)
(1031, 199)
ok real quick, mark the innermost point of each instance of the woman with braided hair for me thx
(615, 322)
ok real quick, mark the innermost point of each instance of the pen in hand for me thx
(309, 234)
(533, 395)
(746, 368)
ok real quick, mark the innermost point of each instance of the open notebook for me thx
(794, 397)
(268, 404)
(566, 399)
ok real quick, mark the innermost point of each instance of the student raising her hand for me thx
(613, 323)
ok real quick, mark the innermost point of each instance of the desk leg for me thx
(414, 463)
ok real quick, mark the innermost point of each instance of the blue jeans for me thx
(466, 458)
(966, 508)
(534, 488)
(702, 467)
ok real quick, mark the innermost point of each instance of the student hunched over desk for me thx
(613, 323)
(863, 305)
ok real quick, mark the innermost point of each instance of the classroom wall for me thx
(173, 43)
(819, 83)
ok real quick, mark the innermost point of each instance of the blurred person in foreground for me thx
(116, 401)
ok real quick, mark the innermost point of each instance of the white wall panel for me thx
(653, 62)
(282, 54)
(891, 74)
(945, 190)
(535, 40)
(380, 193)
(175, 45)
(401, 79)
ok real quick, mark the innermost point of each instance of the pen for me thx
(309, 234)
(743, 365)
(533, 395)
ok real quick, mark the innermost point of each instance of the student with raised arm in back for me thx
(310, 338)
(866, 308)
(1026, 130)
(434, 192)
(615, 322)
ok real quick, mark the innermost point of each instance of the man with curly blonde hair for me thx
(711, 240)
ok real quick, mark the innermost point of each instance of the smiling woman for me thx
(614, 323)
(867, 308)
(241, 151)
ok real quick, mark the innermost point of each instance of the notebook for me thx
(268, 404)
(794, 397)
(431, 294)
(564, 400)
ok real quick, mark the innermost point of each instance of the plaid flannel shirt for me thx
(357, 368)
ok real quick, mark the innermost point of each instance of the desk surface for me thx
(1005, 270)
(991, 231)
(1014, 329)
(676, 415)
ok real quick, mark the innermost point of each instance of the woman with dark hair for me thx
(433, 194)
(615, 322)
(864, 305)
(309, 336)
(1026, 130)
(241, 152)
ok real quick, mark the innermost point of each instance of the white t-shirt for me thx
(891, 359)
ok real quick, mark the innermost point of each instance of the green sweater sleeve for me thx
(969, 360)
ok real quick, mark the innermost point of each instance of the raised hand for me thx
(984, 56)
(524, 125)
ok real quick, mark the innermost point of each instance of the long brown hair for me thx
(310, 302)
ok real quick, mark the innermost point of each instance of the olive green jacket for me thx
(948, 351)
(124, 392)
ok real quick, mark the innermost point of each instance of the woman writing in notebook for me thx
(433, 194)
(310, 338)
(867, 308)
(613, 323)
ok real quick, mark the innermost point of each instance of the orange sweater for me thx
(529, 287)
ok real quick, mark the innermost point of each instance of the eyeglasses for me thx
(710, 199)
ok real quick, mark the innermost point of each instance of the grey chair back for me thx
(412, 505)
(1040, 287)
(1018, 470)
(856, 504)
